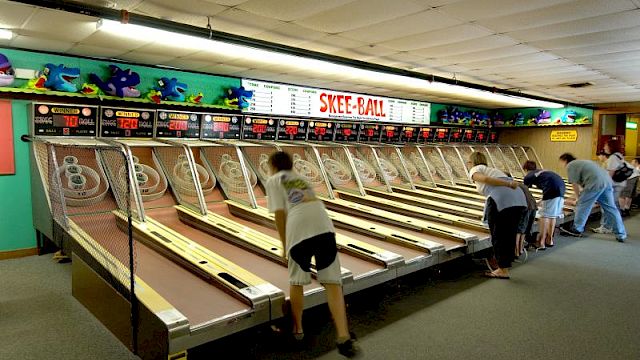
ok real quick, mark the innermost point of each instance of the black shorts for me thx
(324, 250)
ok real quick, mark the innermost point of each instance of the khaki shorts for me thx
(322, 248)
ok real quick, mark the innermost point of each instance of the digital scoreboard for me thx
(64, 119)
(391, 134)
(292, 129)
(369, 133)
(178, 124)
(219, 126)
(346, 132)
(409, 134)
(456, 135)
(126, 123)
(321, 130)
(259, 128)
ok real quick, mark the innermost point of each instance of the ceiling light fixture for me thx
(6, 34)
(301, 64)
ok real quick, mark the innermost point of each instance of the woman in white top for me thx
(504, 208)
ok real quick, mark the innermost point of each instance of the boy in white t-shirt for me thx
(306, 231)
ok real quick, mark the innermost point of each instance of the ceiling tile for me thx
(145, 58)
(240, 22)
(598, 38)
(403, 26)
(166, 50)
(290, 10)
(187, 64)
(107, 40)
(290, 34)
(13, 15)
(482, 9)
(467, 46)
(574, 10)
(622, 20)
(331, 43)
(68, 27)
(599, 49)
(227, 2)
(497, 54)
(95, 51)
(513, 60)
(359, 13)
(192, 12)
(606, 58)
(438, 37)
(223, 69)
(28, 42)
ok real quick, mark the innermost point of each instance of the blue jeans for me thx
(610, 212)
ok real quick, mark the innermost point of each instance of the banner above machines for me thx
(289, 100)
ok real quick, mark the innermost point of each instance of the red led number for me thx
(408, 134)
(259, 128)
(441, 135)
(71, 120)
(320, 131)
(390, 133)
(177, 125)
(291, 130)
(369, 132)
(221, 126)
(346, 132)
(128, 123)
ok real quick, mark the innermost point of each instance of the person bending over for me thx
(504, 208)
(552, 202)
(590, 184)
(307, 232)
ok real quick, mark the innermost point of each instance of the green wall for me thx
(212, 86)
(16, 225)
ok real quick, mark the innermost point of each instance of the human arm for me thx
(576, 192)
(281, 226)
(479, 177)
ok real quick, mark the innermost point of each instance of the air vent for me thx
(579, 85)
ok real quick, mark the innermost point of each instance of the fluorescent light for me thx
(6, 34)
(268, 58)
(631, 125)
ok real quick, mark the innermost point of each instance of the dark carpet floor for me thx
(579, 300)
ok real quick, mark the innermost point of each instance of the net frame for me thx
(511, 161)
(532, 155)
(368, 167)
(412, 154)
(119, 273)
(390, 155)
(433, 156)
(306, 159)
(340, 168)
(456, 163)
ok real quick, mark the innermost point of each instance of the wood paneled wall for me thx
(540, 140)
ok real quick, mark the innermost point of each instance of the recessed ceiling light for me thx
(6, 34)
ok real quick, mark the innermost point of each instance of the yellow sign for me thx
(564, 135)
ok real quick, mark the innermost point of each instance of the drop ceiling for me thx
(536, 47)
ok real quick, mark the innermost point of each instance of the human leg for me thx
(583, 208)
(296, 298)
(551, 228)
(607, 203)
(335, 299)
(506, 230)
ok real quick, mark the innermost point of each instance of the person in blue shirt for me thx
(552, 202)
(591, 183)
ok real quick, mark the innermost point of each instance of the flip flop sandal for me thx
(492, 275)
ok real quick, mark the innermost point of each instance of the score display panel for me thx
(292, 129)
(426, 134)
(221, 126)
(493, 137)
(259, 128)
(409, 134)
(391, 133)
(64, 119)
(178, 124)
(369, 133)
(441, 135)
(481, 136)
(346, 132)
(468, 135)
(127, 122)
(321, 131)
(456, 135)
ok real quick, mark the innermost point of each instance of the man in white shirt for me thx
(306, 231)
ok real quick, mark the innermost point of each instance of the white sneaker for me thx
(602, 230)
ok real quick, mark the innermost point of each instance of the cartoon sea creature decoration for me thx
(60, 77)
(497, 119)
(155, 96)
(122, 83)
(7, 74)
(90, 89)
(544, 117)
(195, 99)
(518, 119)
(569, 117)
(38, 83)
(171, 89)
(238, 97)
(443, 115)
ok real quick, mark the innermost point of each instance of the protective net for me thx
(398, 173)
(369, 170)
(512, 161)
(497, 158)
(186, 179)
(229, 168)
(465, 151)
(456, 163)
(532, 155)
(340, 171)
(417, 166)
(521, 155)
(258, 158)
(441, 171)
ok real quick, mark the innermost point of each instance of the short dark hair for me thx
(601, 152)
(280, 160)
(478, 158)
(614, 145)
(567, 157)
(529, 165)
(637, 160)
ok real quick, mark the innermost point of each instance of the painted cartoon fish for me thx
(60, 77)
(122, 83)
